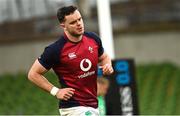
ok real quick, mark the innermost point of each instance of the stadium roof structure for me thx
(13, 10)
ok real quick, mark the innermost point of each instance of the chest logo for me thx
(85, 65)
(72, 55)
(90, 49)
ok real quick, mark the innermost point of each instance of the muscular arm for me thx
(105, 64)
(35, 75)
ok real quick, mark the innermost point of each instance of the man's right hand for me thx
(65, 93)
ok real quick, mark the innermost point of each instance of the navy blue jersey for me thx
(76, 66)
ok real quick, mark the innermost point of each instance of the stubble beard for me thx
(77, 34)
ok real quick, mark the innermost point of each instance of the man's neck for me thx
(73, 38)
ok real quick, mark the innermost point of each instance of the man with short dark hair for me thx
(74, 58)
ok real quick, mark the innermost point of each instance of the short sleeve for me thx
(101, 49)
(48, 58)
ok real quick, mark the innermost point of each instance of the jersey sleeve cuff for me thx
(44, 64)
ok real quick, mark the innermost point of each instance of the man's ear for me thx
(62, 25)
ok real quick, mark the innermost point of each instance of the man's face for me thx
(74, 24)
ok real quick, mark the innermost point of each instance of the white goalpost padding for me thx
(105, 26)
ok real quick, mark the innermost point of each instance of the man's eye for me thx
(80, 19)
(72, 22)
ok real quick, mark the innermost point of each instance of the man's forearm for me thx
(105, 59)
(40, 81)
(105, 64)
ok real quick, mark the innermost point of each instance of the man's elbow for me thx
(31, 75)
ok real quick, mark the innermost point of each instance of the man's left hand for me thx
(107, 69)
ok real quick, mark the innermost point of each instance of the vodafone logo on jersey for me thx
(85, 65)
